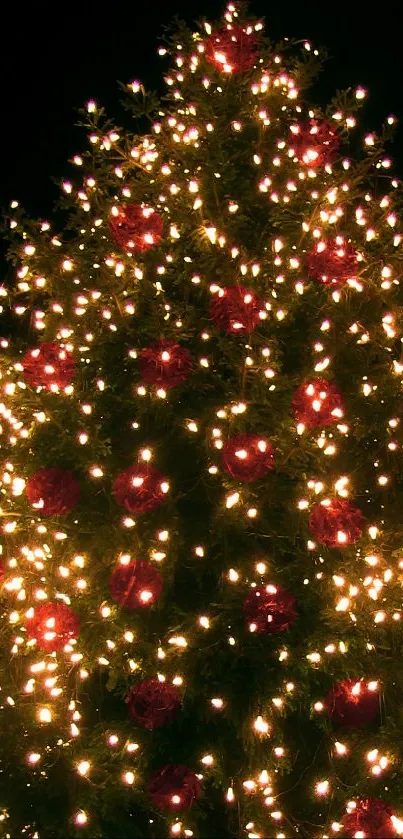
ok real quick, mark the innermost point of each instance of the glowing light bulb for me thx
(322, 788)
(81, 818)
(260, 725)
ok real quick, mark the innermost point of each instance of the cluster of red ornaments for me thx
(153, 704)
(248, 457)
(174, 788)
(369, 818)
(315, 142)
(232, 49)
(49, 366)
(53, 625)
(332, 262)
(352, 704)
(136, 228)
(236, 309)
(55, 492)
(336, 522)
(165, 364)
(269, 609)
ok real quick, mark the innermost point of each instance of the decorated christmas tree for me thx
(201, 399)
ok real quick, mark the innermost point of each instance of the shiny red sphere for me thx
(236, 310)
(136, 228)
(371, 818)
(337, 523)
(53, 491)
(352, 704)
(318, 403)
(315, 142)
(53, 625)
(153, 704)
(247, 457)
(269, 609)
(49, 366)
(140, 488)
(135, 585)
(332, 262)
(165, 364)
(174, 788)
(231, 49)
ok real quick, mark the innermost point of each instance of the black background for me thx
(54, 57)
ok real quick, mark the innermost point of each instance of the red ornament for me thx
(369, 818)
(2, 571)
(136, 228)
(336, 522)
(48, 365)
(318, 403)
(174, 788)
(165, 364)
(332, 262)
(153, 703)
(352, 703)
(315, 142)
(235, 309)
(247, 457)
(136, 584)
(140, 488)
(53, 491)
(269, 609)
(232, 49)
(53, 625)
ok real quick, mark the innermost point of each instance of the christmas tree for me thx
(201, 541)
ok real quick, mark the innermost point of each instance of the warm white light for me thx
(322, 788)
(45, 715)
(81, 818)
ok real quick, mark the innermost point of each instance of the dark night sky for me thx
(55, 57)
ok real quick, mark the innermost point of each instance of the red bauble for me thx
(53, 625)
(136, 228)
(53, 491)
(269, 608)
(2, 572)
(247, 457)
(136, 584)
(371, 818)
(48, 365)
(336, 522)
(140, 488)
(232, 49)
(315, 142)
(236, 309)
(352, 704)
(165, 364)
(174, 788)
(332, 262)
(318, 403)
(153, 703)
